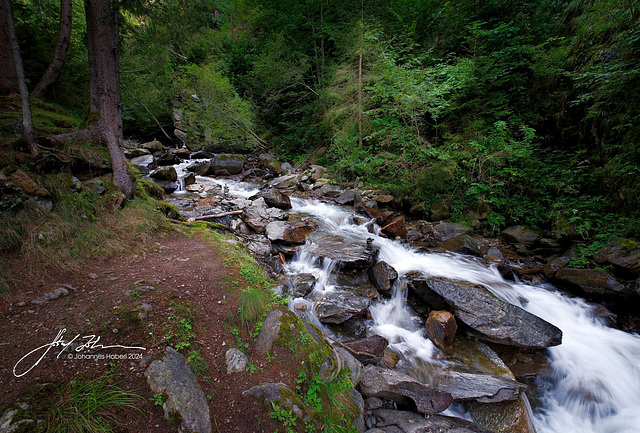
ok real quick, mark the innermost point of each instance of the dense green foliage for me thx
(524, 111)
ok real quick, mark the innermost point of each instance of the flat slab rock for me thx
(173, 377)
(410, 422)
(491, 318)
(333, 247)
(592, 281)
(396, 386)
(483, 388)
(337, 307)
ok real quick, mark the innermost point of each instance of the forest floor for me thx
(193, 298)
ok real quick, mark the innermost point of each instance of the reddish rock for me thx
(396, 228)
(371, 212)
(441, 328)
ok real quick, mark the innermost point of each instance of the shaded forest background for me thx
(518, 112)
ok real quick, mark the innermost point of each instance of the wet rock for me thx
(202, 154)
(482, 388)
(170, 187)
(349, 253)
(182, 153)
(236, 361)
(489, 317)
(96, 185)
(168, 158)
(281, 395)
(286, 168)
(330, 191)
(269, 332)
(383, 275)
(524, 363)
(441, 329)
(369, 350)
(301, 285)
(173, 377)
(255, 219)
(623, 254)
(446, 231)
(259, 245)
(356, 327)
(396, 228)
(189, 179)
(504, 417)
(464, 244)
(494, 254)
(554, 265)
(547, 247)
(338, 307)
(520, 235)
(288, 232)
(51, 295)
(165, 173)
(369, 211)
(200, 168)
(136, 152)
(153, 146)
(271, 163)
(316, 172)
(393, 385)
(274, 198)
(591, 281)
(440, 210)
(289, 181)
(231, 163)
(410, 422)
(347, 197)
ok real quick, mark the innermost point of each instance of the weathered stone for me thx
(288, 232)
(403, 389)
(623, 254)
(165, 173)
(274, 198)
(281, 395)
(189, 179)
(483, 388)
(271, 163)
(547, 247)
(504, 417)
(330, 191)
(371, 212)
(167, 158)
(169, 187)
(494, 254)
(348, 360)
(464, 244)
(520, 235)
(301, 285)
(347, 197)
(356, 327)
(269, 332)
(347, 252)
(383, 275)
(368, 350)
(337, 307)
(202, 154)
(253, 218)
(554, 265)
(445, 231)
(199, 167)
(173, 377)
(96, 185)
(232, 163)
(289, 181)
(153, 146)
(182, 153)
(441, 329)
(135, 152)
(259, 245)
(236, 361)
(490, 318)
(418, 209)
(317, 171)
(286, 168)
(384, 199)
(51, 295)
(440, 210)
(395, 421)
(524, 363)
(396, 228)
(591, 281)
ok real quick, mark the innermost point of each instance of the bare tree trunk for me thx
(108, 126)
(8, 79)
(52, 73)
(9, 29)
(94, 108)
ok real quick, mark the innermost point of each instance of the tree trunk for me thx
(9, 29)
(52, 73)
(8, 79)
(107, 127)
(93, 79)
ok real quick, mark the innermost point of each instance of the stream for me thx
(595, 383)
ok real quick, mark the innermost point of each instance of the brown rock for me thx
(441, 328)
(396, 228)
(21, 180)
(369, 350)
(592, 281)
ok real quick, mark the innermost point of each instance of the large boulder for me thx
(288, 232)
(274, 198)
(393, 385)
(446, 231)
(520, 235)
(289, 181)
(301, 285)
(464, 244)
(383, 275)
(231, 163)
(488, 317)
(168, 174)
(199, 167)
(591, 281)
(395, 421)
(440, 210)
(185, 401)
(483, 388)
(279, 394)
(347, 252)
(347, 197)
(316, 172)
(24, 182)
(168, 158)
(269, 332)
(153, 146)
(396, 228)
(337, 307)
(623, 254)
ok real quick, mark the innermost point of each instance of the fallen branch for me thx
(220, 215)
(351, 351)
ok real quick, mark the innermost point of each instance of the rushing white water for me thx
(595, 385)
